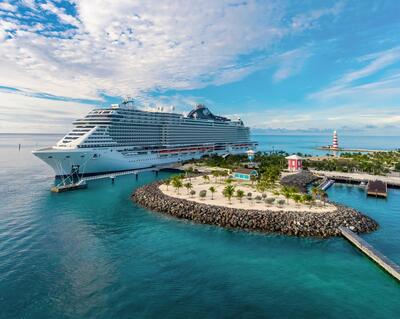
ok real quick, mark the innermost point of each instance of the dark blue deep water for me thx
(95, 254)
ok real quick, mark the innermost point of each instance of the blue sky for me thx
(282, 66)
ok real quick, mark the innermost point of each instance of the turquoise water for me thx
(307, 144)
(95, 254)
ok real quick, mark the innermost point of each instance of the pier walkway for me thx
(326, 184)
(134, 171)
(82, 182)
(388, 265)
(391, 181)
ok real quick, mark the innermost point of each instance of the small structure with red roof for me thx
(295, 163)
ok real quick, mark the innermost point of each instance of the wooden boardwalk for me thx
(388, 265)
(377, 189)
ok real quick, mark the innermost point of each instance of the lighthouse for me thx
(335, 144)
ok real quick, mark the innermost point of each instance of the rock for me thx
(283, 222)
(300, 180)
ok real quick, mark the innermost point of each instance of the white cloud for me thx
(379, 89)
(350, 116)
(310, 19)
(378, 62)
(29, 3)
(290, 63)
(60, 13)
(37, 115)
(128, 47)
(6, 6)
(131, 47)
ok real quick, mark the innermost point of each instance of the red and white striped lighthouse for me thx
(335, 144)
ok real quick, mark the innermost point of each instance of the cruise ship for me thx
(123, 137)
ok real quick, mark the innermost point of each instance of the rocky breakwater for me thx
(299, 180)
(282, 222)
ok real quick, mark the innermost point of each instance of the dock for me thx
(135, 172)
(352, 150)
(377, 188)
(326, 184)
(81, 183)
(69, 187)
(389, 266)
(357, 178)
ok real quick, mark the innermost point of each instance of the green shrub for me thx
(270, 200)
(264, 196)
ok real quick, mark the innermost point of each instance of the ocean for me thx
(94, 253)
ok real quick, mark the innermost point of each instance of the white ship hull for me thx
(100, 161)
(122, 138)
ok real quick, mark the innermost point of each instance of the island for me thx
(266, 199)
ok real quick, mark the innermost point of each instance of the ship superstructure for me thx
(123, 137)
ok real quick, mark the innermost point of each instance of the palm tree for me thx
(216, 174)
(224, 173)
(323, 195)
(212, 190)
(315, 191)
(206, 178)
(177, 183)
(229, 181)
(189, 173)
(167, 182)
(297, 198)
(228, 192)
(253, 179)
(240, 194)
(307, 198)
(287, 192)
(188, 186)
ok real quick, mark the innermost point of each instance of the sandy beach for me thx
(199, 184)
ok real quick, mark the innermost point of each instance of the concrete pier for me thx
(135, 172)
(357, 178)
(388, 265)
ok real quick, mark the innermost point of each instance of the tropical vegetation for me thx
(377, 163)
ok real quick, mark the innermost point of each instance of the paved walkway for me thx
(361, 177)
